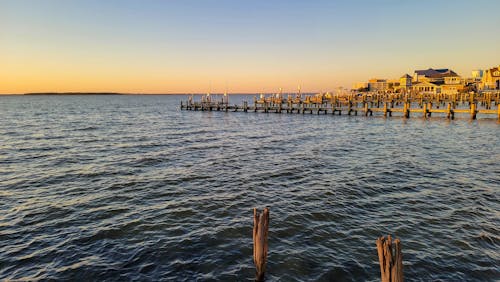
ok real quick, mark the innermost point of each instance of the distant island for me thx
(73, 93)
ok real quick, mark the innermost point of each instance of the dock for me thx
(403, 104)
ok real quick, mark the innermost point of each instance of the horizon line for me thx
(130, 93)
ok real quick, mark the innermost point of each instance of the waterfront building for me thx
(441, 81)
(477, 74)
(433, 81)
(360, 86)
(376, 84)
(491, 79)
(405, 83)
(473, 83)
(433, 75)
(426, 87)
(453, 85)
(393, 85)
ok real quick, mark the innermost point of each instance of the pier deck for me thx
(423, 105)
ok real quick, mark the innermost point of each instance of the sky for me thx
(200, 46)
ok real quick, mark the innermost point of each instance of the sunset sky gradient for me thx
(193, 46)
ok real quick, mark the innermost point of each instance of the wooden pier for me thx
(406, 105)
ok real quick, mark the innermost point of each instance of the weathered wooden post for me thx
(473, 111)
(391, 264)
(406, 110)
(260, 231)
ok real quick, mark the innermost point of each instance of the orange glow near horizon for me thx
(54, 74)
(165, 47)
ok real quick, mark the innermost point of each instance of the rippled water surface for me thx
(131, 188)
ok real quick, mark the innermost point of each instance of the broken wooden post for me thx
(260, 231)
(391, 264)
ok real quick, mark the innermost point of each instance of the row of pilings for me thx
(389, 252)
(387, 104)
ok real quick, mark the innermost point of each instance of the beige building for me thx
(376, 84)
(453, 85)
(434, 81)
(477, 74)
(438, 81)
(426, 87)
(405, 83)
(433, 75)
(360, 86)
(491, 79)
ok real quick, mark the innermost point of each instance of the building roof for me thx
(406, 76)
(436, 73)
(493, 70)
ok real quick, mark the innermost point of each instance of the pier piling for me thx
(370, 104)
(260, 248)
(391, 264)
(473, 111)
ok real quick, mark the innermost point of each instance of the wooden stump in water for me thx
(260, 231)
(391, 264)
(473, 111)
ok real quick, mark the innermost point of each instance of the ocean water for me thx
(122, 188)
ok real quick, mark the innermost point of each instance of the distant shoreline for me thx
(73, 93)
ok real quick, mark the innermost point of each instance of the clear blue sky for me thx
(246, 46)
